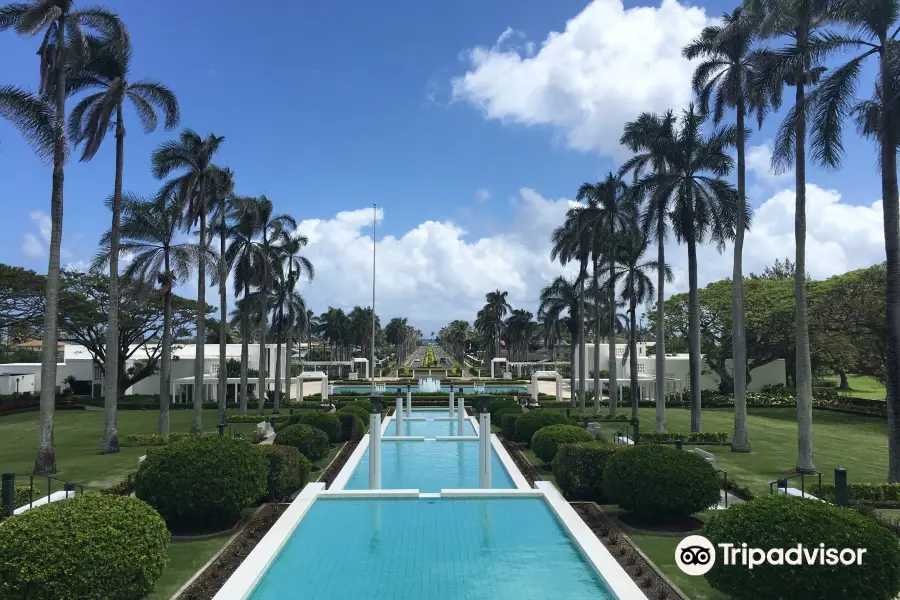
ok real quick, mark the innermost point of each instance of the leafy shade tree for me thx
(562, 296)
(603, 219)
(63, 46)
(873, 29)
(292, 306)
(799, 65)
(108, 70)
(637, 288)
(650, 136)
(192, 155)
(149, 232)
(704, 208)
(21, 297)
(723, 79)
(31, 115)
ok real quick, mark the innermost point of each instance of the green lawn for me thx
(661, 551)
(839, 440)
(862, 386)
(77, 436)
(185, 559)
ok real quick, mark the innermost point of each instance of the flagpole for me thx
(374, 219)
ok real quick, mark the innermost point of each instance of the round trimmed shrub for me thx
(578, 469)
(508, 425)
(91, 547)
(660, 483)
(202, 483)
(528, 423)
(352, 427)
(327, 422)
(288, 471)
(359, 411)
(506, 410)
(498, 404)
(366, 405)
(547, 440)
(311, 442)
(783, 522)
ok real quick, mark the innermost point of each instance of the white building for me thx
(677, 368)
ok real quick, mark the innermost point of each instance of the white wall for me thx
(18, 383)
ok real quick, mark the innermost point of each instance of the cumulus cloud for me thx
(482, 195)
(32, 246)
(433, 273)
(759, 164)
(37, 245)
(608, 65)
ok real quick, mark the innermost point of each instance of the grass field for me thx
(77, 438)
(185, 559)
(862, 386)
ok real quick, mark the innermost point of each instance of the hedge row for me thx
(288, 471)
(547, 440)
(21, 497)
(693, 437)
(311, 442)
(865, 493)
(154, 439)
(578, 469)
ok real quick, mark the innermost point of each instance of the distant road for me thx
(419, 354)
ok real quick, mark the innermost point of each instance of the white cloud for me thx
(607, 66)
(482, 195)
(43, 222)
(32, 246)
(759, 163)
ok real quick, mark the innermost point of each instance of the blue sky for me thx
(330, 107)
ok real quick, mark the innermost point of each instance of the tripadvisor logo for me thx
(696, 555)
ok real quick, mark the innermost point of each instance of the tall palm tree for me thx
(704, 209)
(298, 266)
(274, 230)
(31, 115)
(604, 218)
(108, 70)
(637, 288)
(650, 136)
(192, 155)
(573, 241)
(563, 296)
(798, 65)
(873, 25)
(149, 232)
(63, 46)
(222, 191)
(496, 306)
(725, 75)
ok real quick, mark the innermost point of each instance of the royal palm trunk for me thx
(660, 346)
(110, 443)
(582, 350)
(632, 358)
(245, 352)
(223, 315)
(45, 462)
(264, 309)
(277, 400)
(740, 440)
(693, 320)
(200, 355)
(166, 360)
(613, 382)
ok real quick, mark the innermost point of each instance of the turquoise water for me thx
(466, 390)
(421, 549)
(429, 467)
(430, 429)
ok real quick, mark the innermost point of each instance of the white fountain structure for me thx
(429, 384)
(478, 389)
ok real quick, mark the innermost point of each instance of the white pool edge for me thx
(241, 583)
(592, 549)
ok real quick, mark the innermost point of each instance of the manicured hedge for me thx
(866, 493)
(359, 411)
(497, 404)
(528, 423)
(327, 422)
(21, 497)
(508, 425)
(288, 471)
(238, 418)
(91, 547)
(352, 427)
(496, 417)
(783, 522)
(694, 437)
(660, 483)
(155, 439)
(547, 440)
(202, 483)
(311, 442)
(578, 469)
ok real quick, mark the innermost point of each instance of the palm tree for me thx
(563, 296)
(604, 218)
(149, 232)
(704, 209)
(108, 71)
(297, 267)
(64, 46)
(31, 115)
(797, 65)
(192, 155)
(496, 306)
(873, 24)
(573, 241)
(727, 70)
(637, 288)
(222, 191)
(650, 137)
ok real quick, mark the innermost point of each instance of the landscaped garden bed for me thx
(331, 472)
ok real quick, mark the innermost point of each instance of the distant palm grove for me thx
(807, 58)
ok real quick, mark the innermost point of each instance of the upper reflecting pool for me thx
(466, 390)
